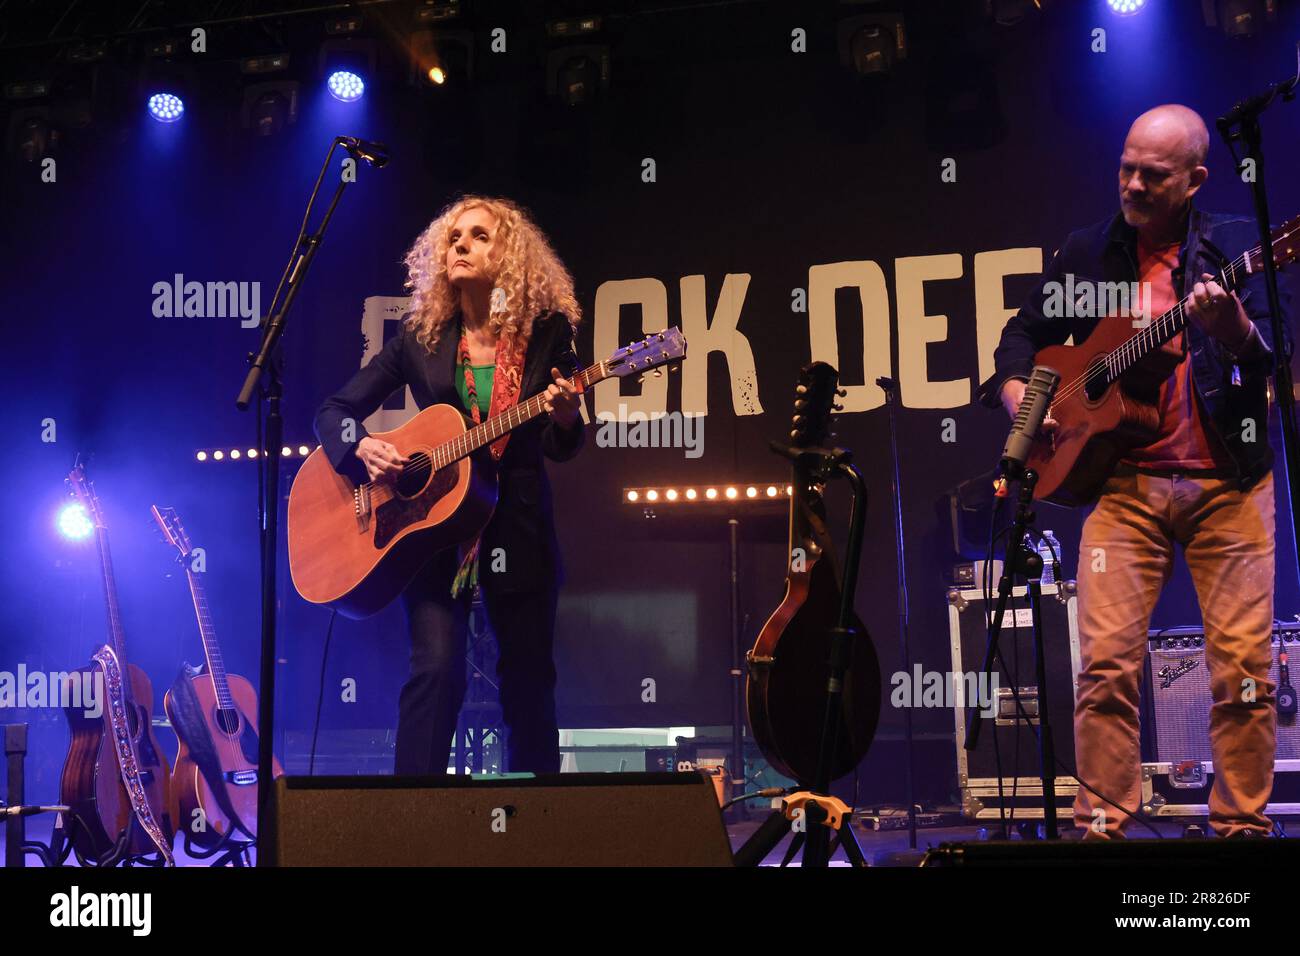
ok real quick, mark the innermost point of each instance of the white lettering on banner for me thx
(991, 311)
(719, 335)
(719, 330)
(652, 296)
(869, 280)
(916, 331)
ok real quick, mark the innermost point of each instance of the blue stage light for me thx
(346, 86)
(74, 524)
(1125, 7)
(166, 107)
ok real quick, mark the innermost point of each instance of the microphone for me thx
(376, 154)
(1033, 409)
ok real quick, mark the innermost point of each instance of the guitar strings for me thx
(419, 464)
(1133, 350)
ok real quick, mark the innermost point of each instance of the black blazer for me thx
(523, 523)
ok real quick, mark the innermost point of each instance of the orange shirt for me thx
(1185, 440)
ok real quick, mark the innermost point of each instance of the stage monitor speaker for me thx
(585, 819)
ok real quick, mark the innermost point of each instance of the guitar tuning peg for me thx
(841, 392)
(838, 408)
(800, 389)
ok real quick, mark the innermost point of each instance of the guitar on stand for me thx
(214, 715)
(115, 779)
(813, 690)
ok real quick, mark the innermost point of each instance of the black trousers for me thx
(430, 702)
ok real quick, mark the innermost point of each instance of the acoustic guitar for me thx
(356, 547)
(1105, 403)
(789, 665)
(215, 779)
(115, 778)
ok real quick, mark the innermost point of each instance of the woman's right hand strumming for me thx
(382, 460)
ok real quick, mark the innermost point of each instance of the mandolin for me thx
(115, 778)
(1106, 401)
(356, 547)
(790, 662)
(215, 779)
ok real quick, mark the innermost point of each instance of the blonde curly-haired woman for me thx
(491, 324)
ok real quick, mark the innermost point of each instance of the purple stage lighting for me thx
(346, 86)
(1125, 7)
(166, 107)
(74, 524)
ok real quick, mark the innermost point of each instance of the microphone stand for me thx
(890, 387)
(1242, 123)
(1027, 561)
(266, 362)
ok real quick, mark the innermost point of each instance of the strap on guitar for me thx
(187, 721)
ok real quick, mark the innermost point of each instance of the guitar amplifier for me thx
(1015, 736)
(1177, 726)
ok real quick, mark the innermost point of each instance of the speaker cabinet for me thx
(590, 819)
(1178, 695)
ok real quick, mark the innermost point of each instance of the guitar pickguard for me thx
(397, 514)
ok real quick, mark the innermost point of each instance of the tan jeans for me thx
(1125, 558)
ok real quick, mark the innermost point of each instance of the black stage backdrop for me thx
(779, 178)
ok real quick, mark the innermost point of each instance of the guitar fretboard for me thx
(211, 649)
(1164, 328)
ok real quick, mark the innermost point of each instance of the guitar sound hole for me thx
(227, 720)
(414, 477)
(1097, 381)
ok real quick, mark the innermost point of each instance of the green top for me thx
(483, 375)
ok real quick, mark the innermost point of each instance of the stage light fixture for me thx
(269, 107)
(1125, 8)
(73, 522)
(201, 456)
(166, 107)
(871, 44)
(346, 62)
(1239, 19)
(673, 495)
(433, 11)
(346, 86)
(442, 58)
(578, 75)
(218, 455)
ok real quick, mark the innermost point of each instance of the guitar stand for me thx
(1027, 562)
(820, 812)
(232, 851)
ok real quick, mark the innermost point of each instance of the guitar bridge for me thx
(361, 506)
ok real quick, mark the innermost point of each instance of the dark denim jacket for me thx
(1232, 389)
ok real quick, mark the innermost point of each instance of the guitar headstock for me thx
(655, 350)
(1286, 247)
(813, 403)
(83, 489)
(174, 533)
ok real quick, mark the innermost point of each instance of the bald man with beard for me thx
(1204, 484)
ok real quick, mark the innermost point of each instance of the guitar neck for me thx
(1168, 325)
(492, 429)
(115, 638)
(211, 650)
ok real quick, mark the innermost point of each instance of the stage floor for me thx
(888, 848)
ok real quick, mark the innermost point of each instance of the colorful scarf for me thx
(506, 382)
